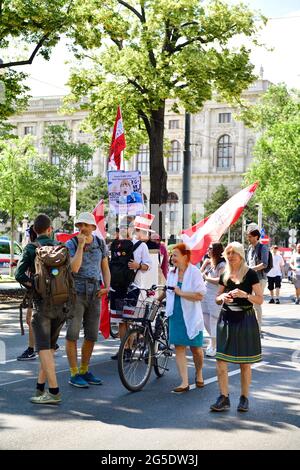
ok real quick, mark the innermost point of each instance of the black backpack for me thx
(121, 253)
(270, 259)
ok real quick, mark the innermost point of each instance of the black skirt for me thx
(238, 337)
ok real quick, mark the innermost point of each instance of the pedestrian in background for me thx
(257, 259)
(295, 266)
(275, 275)
(238, 338)
(211, 310)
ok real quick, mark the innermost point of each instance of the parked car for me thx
(5, 254)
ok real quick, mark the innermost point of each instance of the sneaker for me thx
(244, 404)
(115, 356)
(271, 301)
(78, 381)
(28, 355)
(39, 393)
(91, 379)
(46, 398)
(56, 347)
(297, 301)
(211, 352)
(277, 301)
(222, 404)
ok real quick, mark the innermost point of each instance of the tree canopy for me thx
(153, 51)
(276, 164)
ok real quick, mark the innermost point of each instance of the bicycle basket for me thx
(132, 309)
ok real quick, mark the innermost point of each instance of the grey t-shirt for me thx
(91, 264)
(257, 255)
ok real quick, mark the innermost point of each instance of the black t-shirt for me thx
(246, 285)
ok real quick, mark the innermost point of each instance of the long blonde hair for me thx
(243, 269)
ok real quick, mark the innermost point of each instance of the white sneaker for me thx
(211, 352)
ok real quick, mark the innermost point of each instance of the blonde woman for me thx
(238, 338)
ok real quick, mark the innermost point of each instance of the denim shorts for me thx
(86, 313)
(46, 330)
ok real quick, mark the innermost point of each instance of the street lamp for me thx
(259, 215)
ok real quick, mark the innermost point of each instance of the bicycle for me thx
(149, 345)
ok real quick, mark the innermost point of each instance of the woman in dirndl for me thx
(238, 338)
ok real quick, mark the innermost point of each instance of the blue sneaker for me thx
(78, 381)
(91, 379)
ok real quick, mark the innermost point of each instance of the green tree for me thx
(28, 28)
(56, 179)
(153, 51)
(276, 164)
(18, 182)
(218, 198)
(88, 197)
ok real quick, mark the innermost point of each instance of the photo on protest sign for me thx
(125, 192)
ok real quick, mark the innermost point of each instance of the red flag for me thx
(64, 237)
(194, 228)
(118, 143)
(212, 230)
(98, 213)
(104, 326)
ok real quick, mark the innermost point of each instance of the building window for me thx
(55, 159)
(174, 124)
(142, 160)
(145, 199)
(172, 205)
(224, 152)
(224, 117)
(87, 166)
(173, 161)
(250, 145)
(28, 130)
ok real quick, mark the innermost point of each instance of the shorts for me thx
(296, 281)
(117, 302)
(274, 281)
(46, 330)
(86, 313)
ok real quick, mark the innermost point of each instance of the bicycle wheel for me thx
(162, 351)
(135, 368)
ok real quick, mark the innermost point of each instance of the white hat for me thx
(86, 218)
(251, 227)
(143, 222)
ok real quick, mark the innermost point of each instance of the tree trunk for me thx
(158, 174)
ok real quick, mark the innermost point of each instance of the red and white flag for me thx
(210, 230)
(98, 213)
(118, 143)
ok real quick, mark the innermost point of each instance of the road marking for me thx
(230, 374)
(192, 387)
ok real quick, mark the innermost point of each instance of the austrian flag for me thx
(118, 143)
(210, 230)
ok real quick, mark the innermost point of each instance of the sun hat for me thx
(86, 218)
(252, 227)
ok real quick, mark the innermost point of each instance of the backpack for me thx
(53, 279)
(270, 259)
(121, 253)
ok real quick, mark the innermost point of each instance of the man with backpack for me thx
(129, 260)
(51, 289)
(259, 259)
(89, 261)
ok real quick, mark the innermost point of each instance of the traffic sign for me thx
(293, 232)
(292, 240)
(265, 240)
(262, 233)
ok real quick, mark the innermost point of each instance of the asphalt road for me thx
(109, 417)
